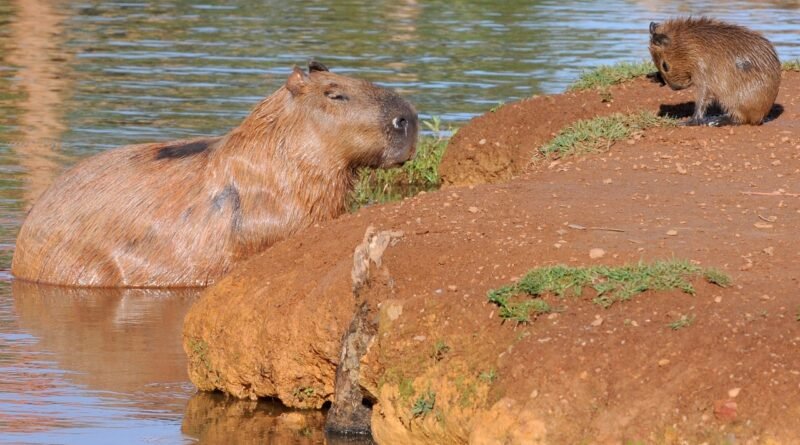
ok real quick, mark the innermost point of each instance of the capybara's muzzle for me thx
(403, 134)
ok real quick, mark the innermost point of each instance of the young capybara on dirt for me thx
(181, 213)
(729, 64)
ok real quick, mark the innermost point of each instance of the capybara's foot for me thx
(709, 121)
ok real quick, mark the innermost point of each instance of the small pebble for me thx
(597, 253)
(672, 232)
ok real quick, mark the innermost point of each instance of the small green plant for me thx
(521, 312)
(611, 284)
(423, 405)
(303, 393)
(422, 173)
(791, 65)
(496, 107)
(714, 276)
(200, 351)
(488, 376)
(681, 322)
(607, 75)
(597, 134)
(306, 431)
(406, 389)
(440, 349)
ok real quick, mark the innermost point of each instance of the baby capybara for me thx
(181, 213)
(727, 64)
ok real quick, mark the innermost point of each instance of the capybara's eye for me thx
(335, 95)
(664, 66)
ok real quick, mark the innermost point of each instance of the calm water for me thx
(78, 77)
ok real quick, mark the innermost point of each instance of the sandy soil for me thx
(725, 197)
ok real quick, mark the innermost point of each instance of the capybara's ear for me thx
(313, 65)
(659, 39)
(653, 27)
(297, 81)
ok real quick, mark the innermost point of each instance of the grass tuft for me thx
(488, 376)
(681, 322)
(608, 75)
(597, 134)
(440, 349)
(611, 284)
(791, 65)
(714, 276)
(377, 186)
(424, 404)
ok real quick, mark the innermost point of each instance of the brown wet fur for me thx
(180, 213)
(726, 64)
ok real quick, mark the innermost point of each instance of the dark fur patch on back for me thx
(183, 151)
(744, 65)
(229, 195)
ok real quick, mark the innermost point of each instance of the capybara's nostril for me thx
(400, 123)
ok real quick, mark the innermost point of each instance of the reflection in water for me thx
(94, 357)
(215, 419)
(126, 340)
(38, 53)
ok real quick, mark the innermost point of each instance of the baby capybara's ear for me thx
(297, 81)
(655, 37)
(313, 65)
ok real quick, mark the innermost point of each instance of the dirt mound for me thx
(444, 368)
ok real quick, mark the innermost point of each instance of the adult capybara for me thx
(181, 213)
(729, 64)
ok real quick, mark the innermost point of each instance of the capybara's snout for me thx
(402, 129)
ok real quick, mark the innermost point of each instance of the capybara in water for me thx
(181, 213)
(727, 64)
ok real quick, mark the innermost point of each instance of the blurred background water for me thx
(78, 77)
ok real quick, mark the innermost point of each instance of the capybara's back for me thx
(730, 64)
(182, 213)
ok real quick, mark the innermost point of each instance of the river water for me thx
(78, 77)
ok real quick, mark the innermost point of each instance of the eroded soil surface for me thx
(727, 198)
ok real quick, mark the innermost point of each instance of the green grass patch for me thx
(597, 134)
(424, 404)
(488, 376)
(406, 389)
(440, 349)
(200, 352)
(791, 65)
(714, 276)
(608, 75)
(303, 393)
(377, 186)
(681, 322)
(521, 301)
